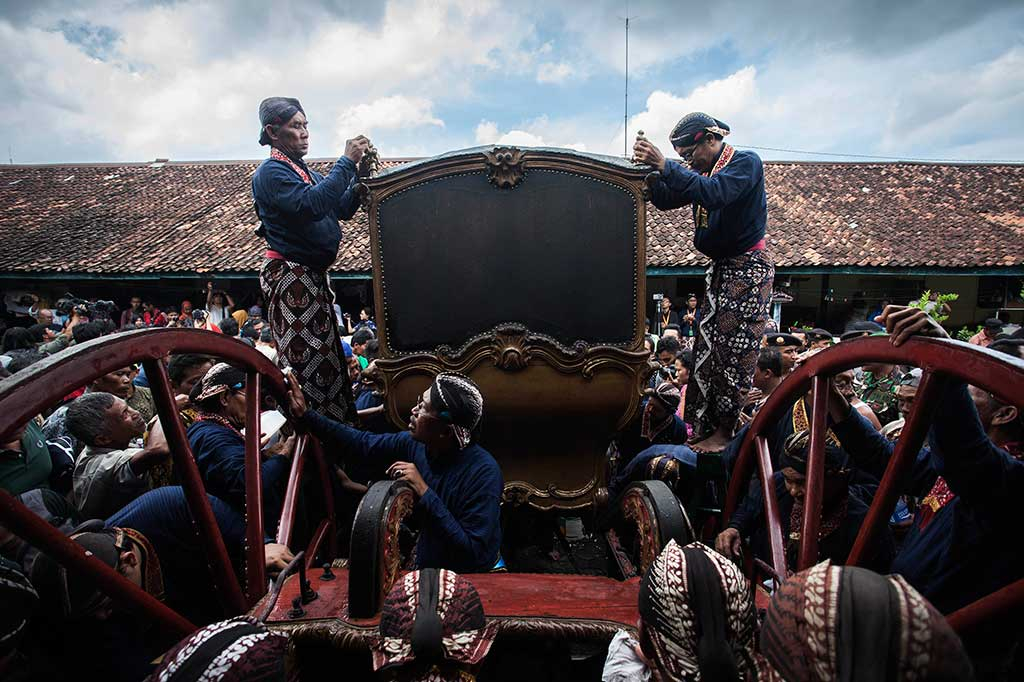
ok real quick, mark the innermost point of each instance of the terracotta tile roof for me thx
(198, 217)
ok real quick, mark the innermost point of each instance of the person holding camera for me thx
(300, 210)
(730, 212)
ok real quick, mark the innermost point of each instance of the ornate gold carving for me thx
(505, 167)
(511, 348)
(635, 508)
(518, 493)
(391, 557)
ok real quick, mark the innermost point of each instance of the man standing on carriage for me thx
(299, 210)
(730, 213)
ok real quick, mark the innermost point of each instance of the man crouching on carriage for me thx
(458, 484)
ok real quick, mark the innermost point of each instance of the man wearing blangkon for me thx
(300, 210)
(730, 212)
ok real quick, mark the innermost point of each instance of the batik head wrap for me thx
(220, 378)
(275, 111)
(851, 624)
(698, 615)
(459, 402)
(76, 596)
(796, 449)
(432, 627)
(237, 649)
(668, 395)
(692, 128)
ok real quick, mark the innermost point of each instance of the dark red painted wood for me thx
(764, 465)
(327, 490)
(229, 590)
(291, 495)
(316, 542)
(1000, 609)
(911, 439)
(255, 565)
(815, 484)
(32, 529)
(503, 595)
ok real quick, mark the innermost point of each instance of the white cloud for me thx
(550, 72)
(531, 135)
(486, 132)
(386, 113)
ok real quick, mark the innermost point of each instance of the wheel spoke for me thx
(324, 469)
(815, 480)
(255, 569)
(771, 506)
(900, 463)
(291, 496)
(185, 468)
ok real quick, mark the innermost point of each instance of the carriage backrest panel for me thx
(523, 269)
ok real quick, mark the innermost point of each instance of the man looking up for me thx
(730, 212)
(457, 483)
(300, 210)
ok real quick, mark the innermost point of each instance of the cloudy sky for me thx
(132, 81)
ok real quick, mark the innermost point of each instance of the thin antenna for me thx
(625, 113)
(10, 156)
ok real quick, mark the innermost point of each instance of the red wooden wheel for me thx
(37, 388)
(940, 360)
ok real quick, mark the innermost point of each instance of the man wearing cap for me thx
(905, 394)
(730, 213)
(299, 210)
(989, 331)
(789, 347)
(658, 422)
(457, 483)
(819, 339)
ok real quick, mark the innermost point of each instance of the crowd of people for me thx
(97, 466)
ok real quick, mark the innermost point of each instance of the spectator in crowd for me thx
(229, 327)
(649, 345)
(1012, 347)
(173, 317)
(358, 343)
(256, 315)
(690, 317)
(134, 310)
(240, 317)
(657, 423)
(844, 383)
(819, 339)
(17, 338)
(457, 483)
(667, 315)
(185, 370)
(185, 318)
(266, 345)
(152, 542)
(152, 317)
(667, 349)
(372, 349)
(989, 331)
(219, 304)
(878, 389)
(237, 650)
(859, 329)
(867, 618)
(671, 331)
(432, 628)
(41, 333)
(25, 461)
(219, 447)
(201, 320)
(365, 321)
(110, 473)
(45, 316)
(844, 507)
(767, 377)
(905, 394)
(789, 347)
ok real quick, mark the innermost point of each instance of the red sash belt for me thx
(270, 253)
(758, 246)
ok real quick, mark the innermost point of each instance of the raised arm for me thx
(718, 190)
(396, 446)
(981, 473)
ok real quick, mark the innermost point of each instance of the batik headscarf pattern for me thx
(850, 624)
(459, 402)
(275, 111)
(698, 615)
(669, 395)
(794, 456)
(220, 378)
(692, 128)
(464, 635)
(237, 649)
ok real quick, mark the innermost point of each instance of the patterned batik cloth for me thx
(670, 623)
(301, 316)
(733, 317)
(466, 636)
(827, 624)
(236, 649)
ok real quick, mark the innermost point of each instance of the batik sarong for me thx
(733, 317)
(301, 314)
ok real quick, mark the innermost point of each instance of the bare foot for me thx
(716, 442)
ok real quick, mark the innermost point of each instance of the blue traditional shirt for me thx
(300, 220)
(733, 198)
(458, 516)
(967, 549)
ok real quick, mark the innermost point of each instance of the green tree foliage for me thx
(936, 309)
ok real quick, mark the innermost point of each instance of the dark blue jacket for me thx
(162, 515)
(459, 516)
(631, 443)
(300, 221)
(969, 547)
(220, 456)
(734, 198)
